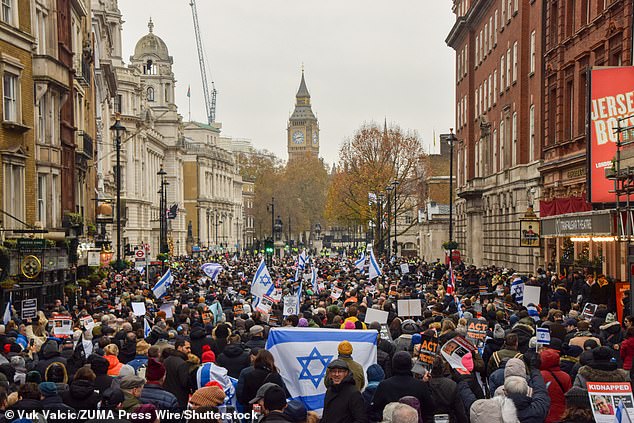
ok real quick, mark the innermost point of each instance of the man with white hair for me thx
(404, 413)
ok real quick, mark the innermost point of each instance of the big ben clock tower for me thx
(303, 128)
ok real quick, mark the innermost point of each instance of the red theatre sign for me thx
(611, 98)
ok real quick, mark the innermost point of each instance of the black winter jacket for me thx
(234, 358)
(343, 403)
(81, 395)
(177, 377)
(397, 387)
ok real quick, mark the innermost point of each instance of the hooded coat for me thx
(343, 403)
(199, 337)
(49, 354)
(100, 365)
(114, 365)
(560, 383)
(81, 395)
(234, 358)
(400, 385)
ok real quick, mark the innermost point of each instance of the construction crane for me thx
(210, 97)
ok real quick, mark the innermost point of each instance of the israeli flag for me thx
(517, 290)
(6, 317)
(360, 264)
(262, 283)
(161, 287)
(146, 328)
(303, 258)
(621, 415)
(299, 294)
(374, 270)
(212, 270)
(209, 372)
(303, 354)
(313, 280)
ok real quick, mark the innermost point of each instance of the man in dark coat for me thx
(49, 353)
(274, 404)
(177, 372)
(153, 392)
(398, 386)
(235, 357)
(99, 365)
(51, 400)
(343, 402)
(200, 337)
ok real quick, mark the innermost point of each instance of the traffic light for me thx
(268, 247)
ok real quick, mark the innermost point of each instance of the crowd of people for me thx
(202, 346)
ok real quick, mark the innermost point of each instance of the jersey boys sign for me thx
(611, 98)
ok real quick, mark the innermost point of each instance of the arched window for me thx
(150, 94)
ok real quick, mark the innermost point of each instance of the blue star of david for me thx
(265, 279)
(305, 374)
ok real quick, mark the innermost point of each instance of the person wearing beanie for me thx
(18, 363)
(578, 409)
(208, 355)
(220, 334)
(343, 401)
(99, 365)
(602, 367)
(345, 353)
(401, 384)
(493, 343)
(153, 392)
(509, 350)
(140, 359)
(51, 400)
(375, 375)
(207, 397)
(302, 323)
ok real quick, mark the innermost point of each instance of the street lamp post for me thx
(272, 204)
(379, 224)
(395, 184)
(162, 212)
(118, 129)
(389, 189)
(451, 140)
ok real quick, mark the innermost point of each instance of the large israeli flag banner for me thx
(163, 284)
(517, 290)
(212, 270)
(303, 354)
(262, 282)
(360, 264)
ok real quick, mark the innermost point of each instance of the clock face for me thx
(298, 137)
(315, 138)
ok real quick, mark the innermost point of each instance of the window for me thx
(585, 12)
(486, 39)
(41, 199)
(503, 15)
(569, 110)
(477, 42)
(509, 5)
(531, 133)
(150, 94)
(508, 68)
(532, 47)
(477, 110)
(502, 140)
(495, 150)
(55, 209)
(515, 58)
(554, 24)
(502, 74)
(490, 33)
(117, 103)
(481, 46)
(495, 33)
(495, 85)
(515, 6)
(466, 59)
(570, 18)
(514, 138)
(7, 11)
(477, 158)
(40, 30)
(41, 121)
(13, 193)
(489, 91)
(10, 97)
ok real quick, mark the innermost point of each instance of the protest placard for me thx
(291, 305)
(374, 315)
(404, 268)
(531, 295)
(88, 323)
(138, 309)
(605, 398)
(29, 308)
(428, 350)
(409, 308)
(336, 293)
(588, 311)
(167, 309)
(455, 350)
(264, 305)
(476, 331)
(62, 326)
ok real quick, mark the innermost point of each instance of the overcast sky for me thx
(364, 60)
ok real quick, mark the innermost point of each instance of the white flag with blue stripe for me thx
(303, 354)
(374, 270)
(621, 415)
(6, 317)
(303, 258)
(212, 270)
(146, 328)
(360, 264)
(262, 283)
(161, 287)
(313, 280)
(211, 372)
